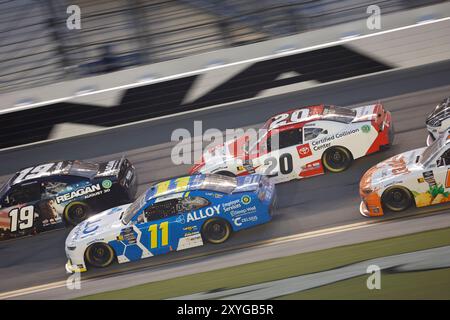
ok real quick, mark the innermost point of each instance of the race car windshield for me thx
(431, 151)
(442, 106)
(219, 183)
(134, 208)
(83, 169)
(340, 114)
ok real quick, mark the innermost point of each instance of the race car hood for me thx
(391, 169)
(97, 226)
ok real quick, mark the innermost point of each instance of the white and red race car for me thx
(310, 141)
(420, 177)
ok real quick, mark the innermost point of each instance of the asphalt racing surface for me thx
(311, 204)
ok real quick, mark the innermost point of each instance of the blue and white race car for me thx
(172, 215)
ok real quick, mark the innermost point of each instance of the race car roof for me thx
(440, 113)
(211, 182)
(310, 113)
(68, 167)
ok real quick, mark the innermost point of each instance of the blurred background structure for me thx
(37, 48)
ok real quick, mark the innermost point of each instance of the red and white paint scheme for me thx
(311, 140)
(419, 177)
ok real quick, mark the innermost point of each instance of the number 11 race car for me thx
(52, 195)
(311, 140)
(170, 216)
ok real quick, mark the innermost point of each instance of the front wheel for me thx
(397, 199)
(216, 231)
(337, 159)
(99, 255)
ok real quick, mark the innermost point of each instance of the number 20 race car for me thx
(420, 177)
(170, 216)
(51, 195)
(311, 140)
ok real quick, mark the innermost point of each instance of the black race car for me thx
(63, 193)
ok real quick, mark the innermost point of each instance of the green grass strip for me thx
(280, 268)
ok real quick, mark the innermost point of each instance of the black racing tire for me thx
(226, 173)
(76, 212)
(397, 198)
(337, 159)
(216, 231)
(99, 255)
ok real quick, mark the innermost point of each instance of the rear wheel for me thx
(397, 199)
(99, 255)
(216, 231)
(337, 159)
(76, 212)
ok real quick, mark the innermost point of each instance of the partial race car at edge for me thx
(63, 193)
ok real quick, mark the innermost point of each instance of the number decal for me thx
(295, 116)
(271, 163)
(36, 172)
(286, 165)
(153, 229)
(279, 120)
(21, 219)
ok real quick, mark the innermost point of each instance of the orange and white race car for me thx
(420, 177)
(310, 141)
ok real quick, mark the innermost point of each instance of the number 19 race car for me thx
(51, 195)
(311, 140)
(170, 216)
(420, 177)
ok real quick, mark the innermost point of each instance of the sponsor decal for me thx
(434, 195)
(106, 184)
(190, 228)
(127, 234)
(214, 195)
(325, 142)
(304, 150)
(181, 219)
(79, 193)
(365, 128)
(246, 199)
(428, 176)
(311, 169)
(238, 221)
(203, 213)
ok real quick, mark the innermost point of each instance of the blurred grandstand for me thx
(36, 48)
